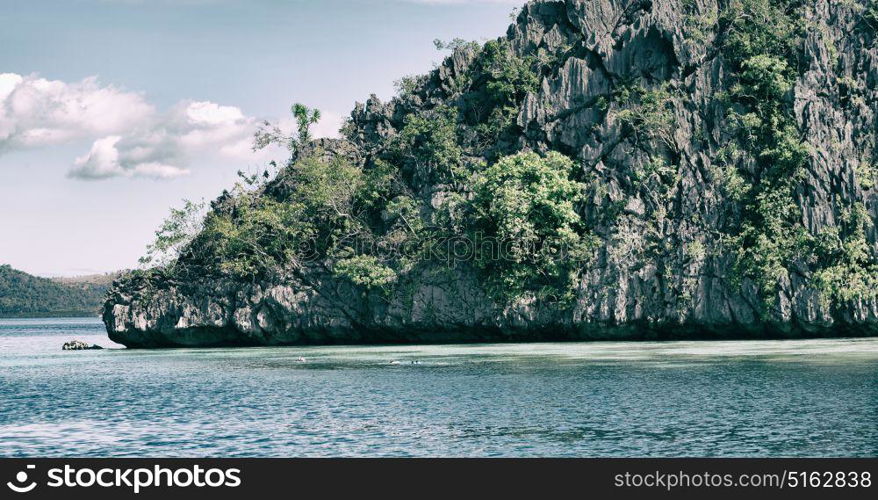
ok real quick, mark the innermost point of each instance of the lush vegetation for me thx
(367, 227)
(175, 234)
(505, 80)
(760, 40)
(427, 148)
(454, 168)
(24, 295)
(760, 43)
(370, 225)
(846, 267)
(870, 15)
(525, 206)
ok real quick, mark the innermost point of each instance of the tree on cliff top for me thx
(269, 133)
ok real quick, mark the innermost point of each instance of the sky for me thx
(113, 111)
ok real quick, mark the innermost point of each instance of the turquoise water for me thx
(771, 398)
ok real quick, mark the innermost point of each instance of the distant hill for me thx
(23, 295)
(89, 280)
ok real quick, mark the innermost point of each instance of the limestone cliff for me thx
(652, 99)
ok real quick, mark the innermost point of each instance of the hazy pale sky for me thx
(111, 111)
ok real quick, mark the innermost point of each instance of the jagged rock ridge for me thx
(664, 268)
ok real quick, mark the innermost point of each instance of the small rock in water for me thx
(78, 345)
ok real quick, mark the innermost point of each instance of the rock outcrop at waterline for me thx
(705, 227)
(79, 345)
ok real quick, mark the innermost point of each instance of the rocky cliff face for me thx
(653, 100)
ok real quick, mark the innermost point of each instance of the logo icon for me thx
(21, 478)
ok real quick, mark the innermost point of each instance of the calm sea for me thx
(771, 398)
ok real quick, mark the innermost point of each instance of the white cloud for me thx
(130, 137)
(107, 159)
(162, 146)
(38, 112)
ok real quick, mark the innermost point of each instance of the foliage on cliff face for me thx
(453, 157)
(427, 147)
(502, 81)
(647, 115)
(366, 271)
(847, 269)
(761, 42)
(260, 237)
(524, 208)
(175, 234)
(870, 15)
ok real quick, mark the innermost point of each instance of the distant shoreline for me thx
(52, 315)
(23, 295)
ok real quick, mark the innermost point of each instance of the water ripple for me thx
(754, 398)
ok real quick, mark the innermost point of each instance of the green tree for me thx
(758, 39)
(527, 205)
(175, 234)
(305, 117)
(260, 238)
(507, 79)
(269, 133)
(428, 146)
(452, 45)
(649, 115)
(259, 233)
(366, 271)
(847, 267)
